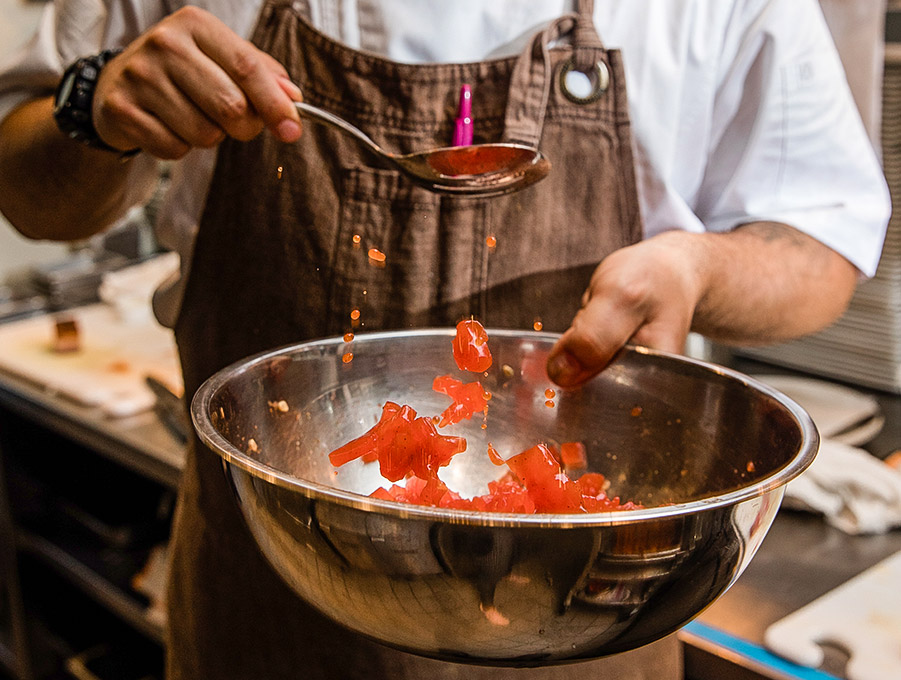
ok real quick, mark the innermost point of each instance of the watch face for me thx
(65, 89)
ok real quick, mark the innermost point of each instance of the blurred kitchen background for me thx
(89, 556)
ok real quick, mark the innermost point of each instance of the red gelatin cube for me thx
(549, 488)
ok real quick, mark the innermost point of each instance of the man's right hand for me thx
(190, 81)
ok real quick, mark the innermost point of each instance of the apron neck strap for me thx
(585, 39)
(531, 80)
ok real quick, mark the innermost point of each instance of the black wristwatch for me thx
(74, 98)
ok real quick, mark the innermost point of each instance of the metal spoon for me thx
(476, 170)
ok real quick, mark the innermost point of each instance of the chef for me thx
(710, 173)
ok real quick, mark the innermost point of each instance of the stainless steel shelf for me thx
(91, 583)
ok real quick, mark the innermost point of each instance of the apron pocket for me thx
(405, 257)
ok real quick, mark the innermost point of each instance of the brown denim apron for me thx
(276, 261)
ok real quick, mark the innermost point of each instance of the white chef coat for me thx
(741, 110)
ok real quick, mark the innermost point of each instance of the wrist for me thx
(687, 257)
(74, 99)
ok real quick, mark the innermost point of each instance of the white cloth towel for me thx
(855, 491)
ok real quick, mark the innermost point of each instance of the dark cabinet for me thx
(85, 508)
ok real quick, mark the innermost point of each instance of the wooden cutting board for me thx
(862, 616)
(108, 369)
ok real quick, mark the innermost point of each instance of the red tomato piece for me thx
(413, 489)
(507, 495)
(431, 491)
(398, 444)
(409, 447)
(470, 347)
(382, 494)
(456, 502)
(548, 486)
(469, 398)
(605, 504)
(415, 447)
(592, 483)
(365, 444)
(403, 444)
(594, 496)
(573, 455)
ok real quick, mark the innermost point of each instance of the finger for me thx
(212, 91)
(165, 125)
(291, 89)
(257, 74)
(171, 60)
(597, 333)
(151, 135)
(182, 116)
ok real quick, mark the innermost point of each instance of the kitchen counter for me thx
(801, 558)
(141, 442)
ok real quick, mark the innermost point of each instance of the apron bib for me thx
(282, 255)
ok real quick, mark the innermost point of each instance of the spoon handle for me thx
(322, 116)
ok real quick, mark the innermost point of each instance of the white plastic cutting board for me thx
(842, 414)
(109, 369)
(862, 616)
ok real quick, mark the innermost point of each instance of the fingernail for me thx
(564, 369)
(288, 130)
(293, 89)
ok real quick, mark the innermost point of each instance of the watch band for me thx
(74, 99)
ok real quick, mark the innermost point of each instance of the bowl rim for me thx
(231, 455)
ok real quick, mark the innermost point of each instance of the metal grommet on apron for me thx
(598, 79)
(284, 259)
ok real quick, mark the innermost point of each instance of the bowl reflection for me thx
(705, 450)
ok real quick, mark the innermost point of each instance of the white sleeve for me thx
(33, 70)
(787, 143)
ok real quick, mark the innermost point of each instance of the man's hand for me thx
(763, 282)
(187, 82)
(190, 81)
(645, 293)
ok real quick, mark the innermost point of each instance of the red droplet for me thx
(494, 456)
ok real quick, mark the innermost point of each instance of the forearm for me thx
(766, 282)
(50, 186)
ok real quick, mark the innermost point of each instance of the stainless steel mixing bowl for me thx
(706, 450)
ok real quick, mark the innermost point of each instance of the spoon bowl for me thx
(475, 170)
